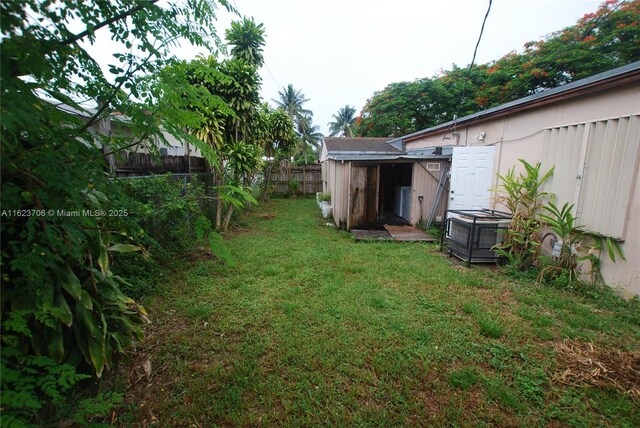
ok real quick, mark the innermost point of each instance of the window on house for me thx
(596, 167)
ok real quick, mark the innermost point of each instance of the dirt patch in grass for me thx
(584, 364)
(150, 379)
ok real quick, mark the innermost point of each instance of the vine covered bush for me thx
(63, 313)
(173, 216)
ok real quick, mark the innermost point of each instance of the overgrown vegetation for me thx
(523, 196)
(576, 252)
(174, 216)
(235, 125)
(64, 314)
(334, 332)
(577, 246)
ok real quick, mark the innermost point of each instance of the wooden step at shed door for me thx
(363, 196)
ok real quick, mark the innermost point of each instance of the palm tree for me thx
(291, 101)
(344, 121)
(310, 134)
(246, 39)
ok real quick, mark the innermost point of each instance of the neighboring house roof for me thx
(598, 82)
(86, 113)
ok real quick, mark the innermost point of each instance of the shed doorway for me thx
(363, 196)
(395, 193)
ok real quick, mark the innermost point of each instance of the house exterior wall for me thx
(521, 136)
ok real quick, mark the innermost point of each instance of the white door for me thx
(471, 178)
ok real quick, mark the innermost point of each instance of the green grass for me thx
(311, 328)
(464, 378)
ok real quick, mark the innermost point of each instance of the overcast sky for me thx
(341, 51)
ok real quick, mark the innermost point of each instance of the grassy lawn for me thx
(311, 328)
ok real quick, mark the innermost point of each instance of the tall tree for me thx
(226, 126)
(310, 136)
(344, 122)
(292, 102)
(247, 41)
(277, 133)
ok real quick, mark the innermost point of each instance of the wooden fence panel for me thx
(135, 164)
(309, 178)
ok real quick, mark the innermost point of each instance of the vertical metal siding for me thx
(561, 149)
(610, 168)
(595, 167)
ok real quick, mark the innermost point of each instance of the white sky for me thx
(341, 51)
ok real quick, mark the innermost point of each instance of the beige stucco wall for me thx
(520, 135)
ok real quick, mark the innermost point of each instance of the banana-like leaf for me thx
(86, 300)
(97, 354)
(124, 248)
(68, 280)
(103, 259)
(81, 341)
(86, 321)
(612, 248)
(56, 344)
(66, 316)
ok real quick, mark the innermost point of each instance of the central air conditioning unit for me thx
(471, 235)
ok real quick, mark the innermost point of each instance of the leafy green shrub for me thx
(173, 217)
(522, 194)
(165, 208)
(60, 297)
(143, 272)
(32, 385)
(37, 389)
(324, 197)
(577, 246)
(62, 309)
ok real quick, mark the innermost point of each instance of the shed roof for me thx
(377, 149)
(621, 75)
(343, 145)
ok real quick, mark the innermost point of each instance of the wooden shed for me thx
(374, 181)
